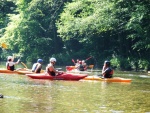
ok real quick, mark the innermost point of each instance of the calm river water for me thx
(25, 95)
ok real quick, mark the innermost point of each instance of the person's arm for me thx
(103, 70)
(17, 62)
(13, 57)
(54, 70)
(38, 67)
(6, 65)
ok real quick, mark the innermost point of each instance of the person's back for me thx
(37, 66)
(10, 65)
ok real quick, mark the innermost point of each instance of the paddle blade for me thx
(89, 58)
(73, 61)
(4, 46)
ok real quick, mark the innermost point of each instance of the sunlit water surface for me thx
(25, 95)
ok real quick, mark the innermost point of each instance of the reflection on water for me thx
(23, 95)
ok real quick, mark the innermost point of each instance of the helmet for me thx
(40, 60)
(107, 63)
(9, 58)
(52, 60)
(83, 61)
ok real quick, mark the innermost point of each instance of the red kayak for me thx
(70, 68)
(64, 76)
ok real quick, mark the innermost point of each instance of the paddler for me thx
(50, 69)
(80, 66)
(84, 65)
(37, 66)
(107, 71)
(10, 64)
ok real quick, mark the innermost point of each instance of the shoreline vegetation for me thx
(101, 30)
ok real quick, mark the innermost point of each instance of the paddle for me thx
(73, 61)
(24, 65)
(3, 45)
(22, 62)
(19, 58)
(88, 58)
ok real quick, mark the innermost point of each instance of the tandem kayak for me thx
(77, 71)
(2, 70)
(114, 79)
(63, 76)
(25, 72)
(70, 68)
(28, 72)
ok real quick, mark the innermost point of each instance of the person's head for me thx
(107, 63)
(83, 61)
(9, 58)
(39, 60)
(77, 60)
(53, 60)
(80, 62)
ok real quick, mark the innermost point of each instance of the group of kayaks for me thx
(64, 76)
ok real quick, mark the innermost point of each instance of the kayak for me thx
(2, 70)
(18, 71)
(71, 68)
(7, 71)
(63, 76)
(27, 72)
(114, 79)
(77, 71)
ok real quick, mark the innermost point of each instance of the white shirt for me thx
(10, 63)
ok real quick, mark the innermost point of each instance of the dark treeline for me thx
(115, 30)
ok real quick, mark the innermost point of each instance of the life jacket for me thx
(108, 73)
(111, 72)
(52, 73)
(12, 68)
(34, 68)
(81, 67)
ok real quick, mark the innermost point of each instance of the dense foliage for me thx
(117, 30)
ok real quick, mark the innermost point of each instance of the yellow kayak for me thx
(20, 71)
(27, 72)
(2, 70)
(114, 79)
(24, 72)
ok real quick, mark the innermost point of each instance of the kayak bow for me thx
(114, 79)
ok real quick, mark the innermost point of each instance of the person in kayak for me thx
(37, 67)
(107, 71)
(77, 63)
(84, 65)
(80, 66)
(50, 69)
(10, 64)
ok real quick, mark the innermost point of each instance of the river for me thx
(25, 95)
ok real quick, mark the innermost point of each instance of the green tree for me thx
(33, 30)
